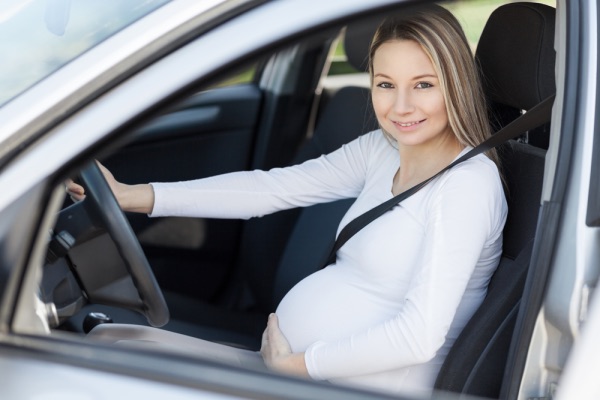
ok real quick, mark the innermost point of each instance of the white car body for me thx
(54, 125)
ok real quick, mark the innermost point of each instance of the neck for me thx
(421, 162)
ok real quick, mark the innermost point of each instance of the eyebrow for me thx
(414, 78)
(425, 76)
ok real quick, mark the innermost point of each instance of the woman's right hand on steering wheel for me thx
(77, 192)
(134, 198)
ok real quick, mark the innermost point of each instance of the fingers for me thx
(273, 327)
(268, 348)
(73, 187)
(277, 352)
(275, 338)
(264, 342)
(265, 336)
(77, 192)
(74, 190)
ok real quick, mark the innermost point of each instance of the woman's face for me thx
(407, 96)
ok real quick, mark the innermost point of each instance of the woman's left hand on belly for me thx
(277, 353)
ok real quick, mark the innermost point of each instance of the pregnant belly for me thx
(331, 304)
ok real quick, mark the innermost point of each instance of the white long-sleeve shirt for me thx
(387, 312)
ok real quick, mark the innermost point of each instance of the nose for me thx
(403, 103)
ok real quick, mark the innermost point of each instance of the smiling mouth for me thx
(407, 124)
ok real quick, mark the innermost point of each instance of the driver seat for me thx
(519, 31)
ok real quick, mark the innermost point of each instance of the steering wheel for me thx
(103, 208)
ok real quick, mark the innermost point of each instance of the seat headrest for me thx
(357, 41)
(516, 55)
(358, 35)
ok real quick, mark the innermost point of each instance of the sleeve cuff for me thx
(310, 357)
(154, 208)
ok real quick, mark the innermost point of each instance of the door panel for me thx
(211, 133)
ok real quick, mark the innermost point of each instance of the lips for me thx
(408, 124)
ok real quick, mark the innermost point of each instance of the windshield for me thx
(37, 37)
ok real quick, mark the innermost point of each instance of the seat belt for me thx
(533, 118)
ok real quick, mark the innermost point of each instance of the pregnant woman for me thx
(386, 313)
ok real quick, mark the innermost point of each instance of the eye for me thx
(423, 85)
(385, 85)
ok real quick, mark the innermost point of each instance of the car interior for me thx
(221, 278)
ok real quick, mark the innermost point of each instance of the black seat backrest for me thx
(314, 230)
(523, 32)
(299, 239)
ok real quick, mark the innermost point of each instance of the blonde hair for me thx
(440, 35)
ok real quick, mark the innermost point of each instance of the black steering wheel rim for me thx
(101, 202)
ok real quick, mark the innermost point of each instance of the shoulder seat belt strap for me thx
(533, 118)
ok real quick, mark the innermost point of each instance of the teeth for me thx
(407, 124)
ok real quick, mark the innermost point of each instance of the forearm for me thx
(135, 198)
(292, 364)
